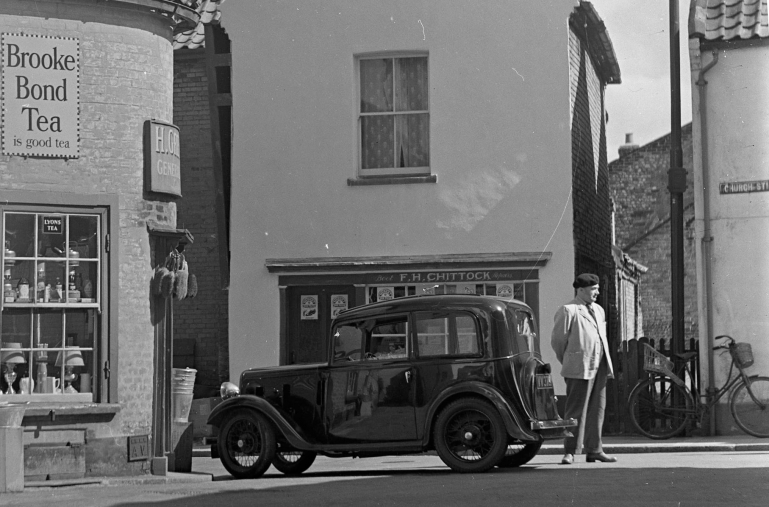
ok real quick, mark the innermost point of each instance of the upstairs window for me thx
(394, 117)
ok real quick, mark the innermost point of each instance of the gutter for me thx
(707, 238)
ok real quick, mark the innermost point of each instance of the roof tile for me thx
(209, 13)
(728, 19)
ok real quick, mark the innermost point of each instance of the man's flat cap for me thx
(586, 280)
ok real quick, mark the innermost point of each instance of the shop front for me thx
(88, 194)
(314, 291)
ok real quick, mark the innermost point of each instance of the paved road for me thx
(652, 479)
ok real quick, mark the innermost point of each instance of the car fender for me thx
(282, 421)
(515, 424)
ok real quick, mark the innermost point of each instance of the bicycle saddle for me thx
(687, 356)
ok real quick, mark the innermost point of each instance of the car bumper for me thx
(547, 425)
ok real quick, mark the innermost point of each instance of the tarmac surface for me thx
(611, 444)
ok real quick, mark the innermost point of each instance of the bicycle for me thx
(661, 405)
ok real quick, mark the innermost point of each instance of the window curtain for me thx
(412, 130)
(394, 86)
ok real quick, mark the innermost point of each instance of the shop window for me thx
(522, 291)
(52, 320)
(394, 118)
(448, 334)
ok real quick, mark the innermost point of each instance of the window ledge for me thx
(50, 411)
(391, 180)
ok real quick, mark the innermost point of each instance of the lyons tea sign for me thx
(40, 95)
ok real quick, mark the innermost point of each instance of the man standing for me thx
(579, 342)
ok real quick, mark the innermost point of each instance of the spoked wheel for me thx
(246, 444)
(519, 454)
(470, 436)
(751, 413)
(659, 407)
(292, 462)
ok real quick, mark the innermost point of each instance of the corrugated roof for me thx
(728, 19)
(209, 13)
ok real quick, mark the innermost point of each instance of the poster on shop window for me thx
(338, 304)
(309, 307)
(385, 293)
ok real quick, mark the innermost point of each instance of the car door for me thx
(370, 395)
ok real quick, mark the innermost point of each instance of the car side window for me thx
(348, 340)
(372, 339)
(447, 334)
(387, 339)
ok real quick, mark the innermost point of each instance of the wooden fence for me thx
(628, 370)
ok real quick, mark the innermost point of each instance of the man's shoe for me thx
(592, 457)
(568, 459)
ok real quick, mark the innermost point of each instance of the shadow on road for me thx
(693, 487)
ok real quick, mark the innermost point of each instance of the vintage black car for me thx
(458, 374)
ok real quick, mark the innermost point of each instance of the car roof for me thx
(429, 302)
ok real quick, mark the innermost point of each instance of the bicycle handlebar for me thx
(725, 345)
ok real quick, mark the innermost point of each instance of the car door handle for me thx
(408, 377)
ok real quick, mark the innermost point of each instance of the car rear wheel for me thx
(293, 462)
(519, 454)
(470, 436)
(246, 444)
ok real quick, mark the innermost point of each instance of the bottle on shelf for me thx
(40, 282)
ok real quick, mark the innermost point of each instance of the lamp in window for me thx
(69, 359)
(10, 356)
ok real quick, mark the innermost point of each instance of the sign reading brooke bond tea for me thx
(40, 95)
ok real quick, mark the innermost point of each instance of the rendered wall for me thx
(735, 114)
(500, 144)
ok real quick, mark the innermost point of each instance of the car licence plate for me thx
(544, 381)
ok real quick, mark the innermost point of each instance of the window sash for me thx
(394, 120)
(74, 328)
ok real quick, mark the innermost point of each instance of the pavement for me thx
(628, 444)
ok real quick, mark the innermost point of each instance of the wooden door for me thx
(309, 319)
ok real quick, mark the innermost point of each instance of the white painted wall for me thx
(500, 144)
(736, 149)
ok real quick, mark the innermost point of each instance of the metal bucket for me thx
(182, 387)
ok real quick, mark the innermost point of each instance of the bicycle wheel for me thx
(749, 415)
(653, 411)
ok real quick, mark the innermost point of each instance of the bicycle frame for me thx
(701, 408)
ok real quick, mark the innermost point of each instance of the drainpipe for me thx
(707, 238)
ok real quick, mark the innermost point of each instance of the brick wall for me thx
(126, 78)
(204, 318)
(638, 184)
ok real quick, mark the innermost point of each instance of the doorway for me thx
(310, 310)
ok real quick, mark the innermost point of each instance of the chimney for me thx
(628, 146)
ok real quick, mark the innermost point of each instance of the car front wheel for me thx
(246, 444)
(470, 436)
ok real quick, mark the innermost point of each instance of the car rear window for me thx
(526, 338)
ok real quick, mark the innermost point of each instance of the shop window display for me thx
(51, 305)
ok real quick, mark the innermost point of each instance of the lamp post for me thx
(677, 187)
